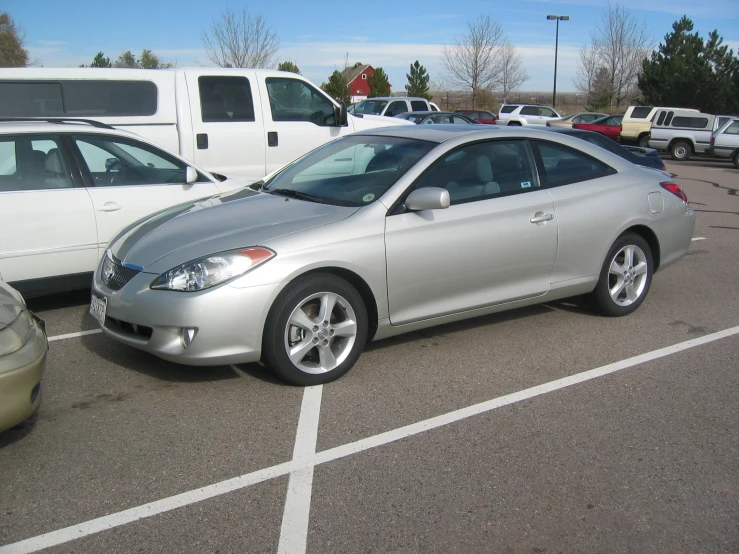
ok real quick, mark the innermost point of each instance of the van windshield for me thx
(370, 107)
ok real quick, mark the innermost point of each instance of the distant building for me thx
(357, 77)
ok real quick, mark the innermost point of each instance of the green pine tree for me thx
(686, 72)
(287, 65)
(101, 61)
(418, 81)
(337, 88)
(379, 84)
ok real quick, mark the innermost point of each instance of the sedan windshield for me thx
(370, 107)
(353, 171)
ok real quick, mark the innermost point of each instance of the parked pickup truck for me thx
(233, 121)
(725, 142)
(683, 133)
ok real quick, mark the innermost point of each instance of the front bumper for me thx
(221, 325)
(20, 379)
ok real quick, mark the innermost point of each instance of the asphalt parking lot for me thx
(545, 429)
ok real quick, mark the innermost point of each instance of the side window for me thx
(564, 165)
(616, 121)
(418, 106)
(225, 99)
(296, 100)
(32, 163)
(483, 170)
(546, 112)
(690, 122)
(457, 119)
(640, 112)
(587, 118)
(732, 129)
(669, 117)
(116, 162)
(579, 119)
(529, 110)
(661, 118)
(396, 107)
(508, 109)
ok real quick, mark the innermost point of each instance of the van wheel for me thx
(624, 278)
(644, 141)
(680, 150)
(315, 331)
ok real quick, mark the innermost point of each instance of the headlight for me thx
(15, 335)
(212, 270)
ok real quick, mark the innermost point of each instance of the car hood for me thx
(10, 305)
(223, 222)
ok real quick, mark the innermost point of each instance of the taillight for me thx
(675, 189)
(548, 124)
(713, 140)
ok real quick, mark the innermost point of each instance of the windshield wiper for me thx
(290, 193)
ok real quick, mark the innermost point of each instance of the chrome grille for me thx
(114, 275)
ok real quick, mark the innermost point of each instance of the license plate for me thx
(98, 305)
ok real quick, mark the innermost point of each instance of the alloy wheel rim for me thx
(680, 151)
(627, 275)
(320, 333)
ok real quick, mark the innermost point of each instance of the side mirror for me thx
(430, 198)
(340, 116)
(191, 175)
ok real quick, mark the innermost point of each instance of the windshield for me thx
(352, 171)
(370, 107)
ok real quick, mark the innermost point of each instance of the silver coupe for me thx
(384, 232)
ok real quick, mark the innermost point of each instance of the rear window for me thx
(690, 122)
(508, 109)
(640, 112)
(661, 118)
(78, 98)
(418, 106)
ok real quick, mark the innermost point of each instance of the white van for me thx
(232, 121)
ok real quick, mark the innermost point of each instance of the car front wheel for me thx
(624, 278)
(315, 331)
(736, 160)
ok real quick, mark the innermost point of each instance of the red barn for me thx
(356, 76)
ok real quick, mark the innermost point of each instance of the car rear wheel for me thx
(624, 278)
(514, 124)
(680, 150)
(736, 160)
(644, 141)
(315, 331)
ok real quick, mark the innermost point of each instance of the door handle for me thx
(109, 207)
(540, 217)
(272, 139)
(201, 140)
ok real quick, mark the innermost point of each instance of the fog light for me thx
(188, 335)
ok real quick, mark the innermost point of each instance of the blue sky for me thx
(317, 35)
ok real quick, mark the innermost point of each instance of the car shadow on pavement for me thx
(20, 431)
(59, 300)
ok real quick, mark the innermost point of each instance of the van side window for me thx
(690, 122)
(640, 112)
(296, 100)
(78, 98)
(397, 107)
(225, 99)
(418, 106)
(669, 117)
(661, 118)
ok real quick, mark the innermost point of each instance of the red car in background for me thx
(609, 126)
(481, 116)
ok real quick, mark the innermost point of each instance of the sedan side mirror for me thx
(191, 175)
(429, 198)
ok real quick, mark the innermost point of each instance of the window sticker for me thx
(368, 197)
(526, 184)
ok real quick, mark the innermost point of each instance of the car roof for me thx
(60, 125)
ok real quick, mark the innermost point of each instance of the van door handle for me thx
(540, 217)
(201, 140)
(109, 207)
(272, 139)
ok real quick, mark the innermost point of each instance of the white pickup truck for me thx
(683, 133)
(233, 121)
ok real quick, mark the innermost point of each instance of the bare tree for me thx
(473, 61)
(512, 73)
(240, 39)
(619, 44)
(587, 70)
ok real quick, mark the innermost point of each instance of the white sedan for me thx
(67, 187)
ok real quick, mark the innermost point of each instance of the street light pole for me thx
(556, 47)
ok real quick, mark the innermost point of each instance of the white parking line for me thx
(73, 335)
(698, 238)
(297, 464)
(295, 517)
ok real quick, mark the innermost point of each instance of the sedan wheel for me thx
(736, 160)
(625, 277)
(316, 330)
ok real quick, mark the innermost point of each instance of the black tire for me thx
(514, 124)
(680, 151)
(600, 299)
(644, 141)
(735, 159)
(277, 333)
